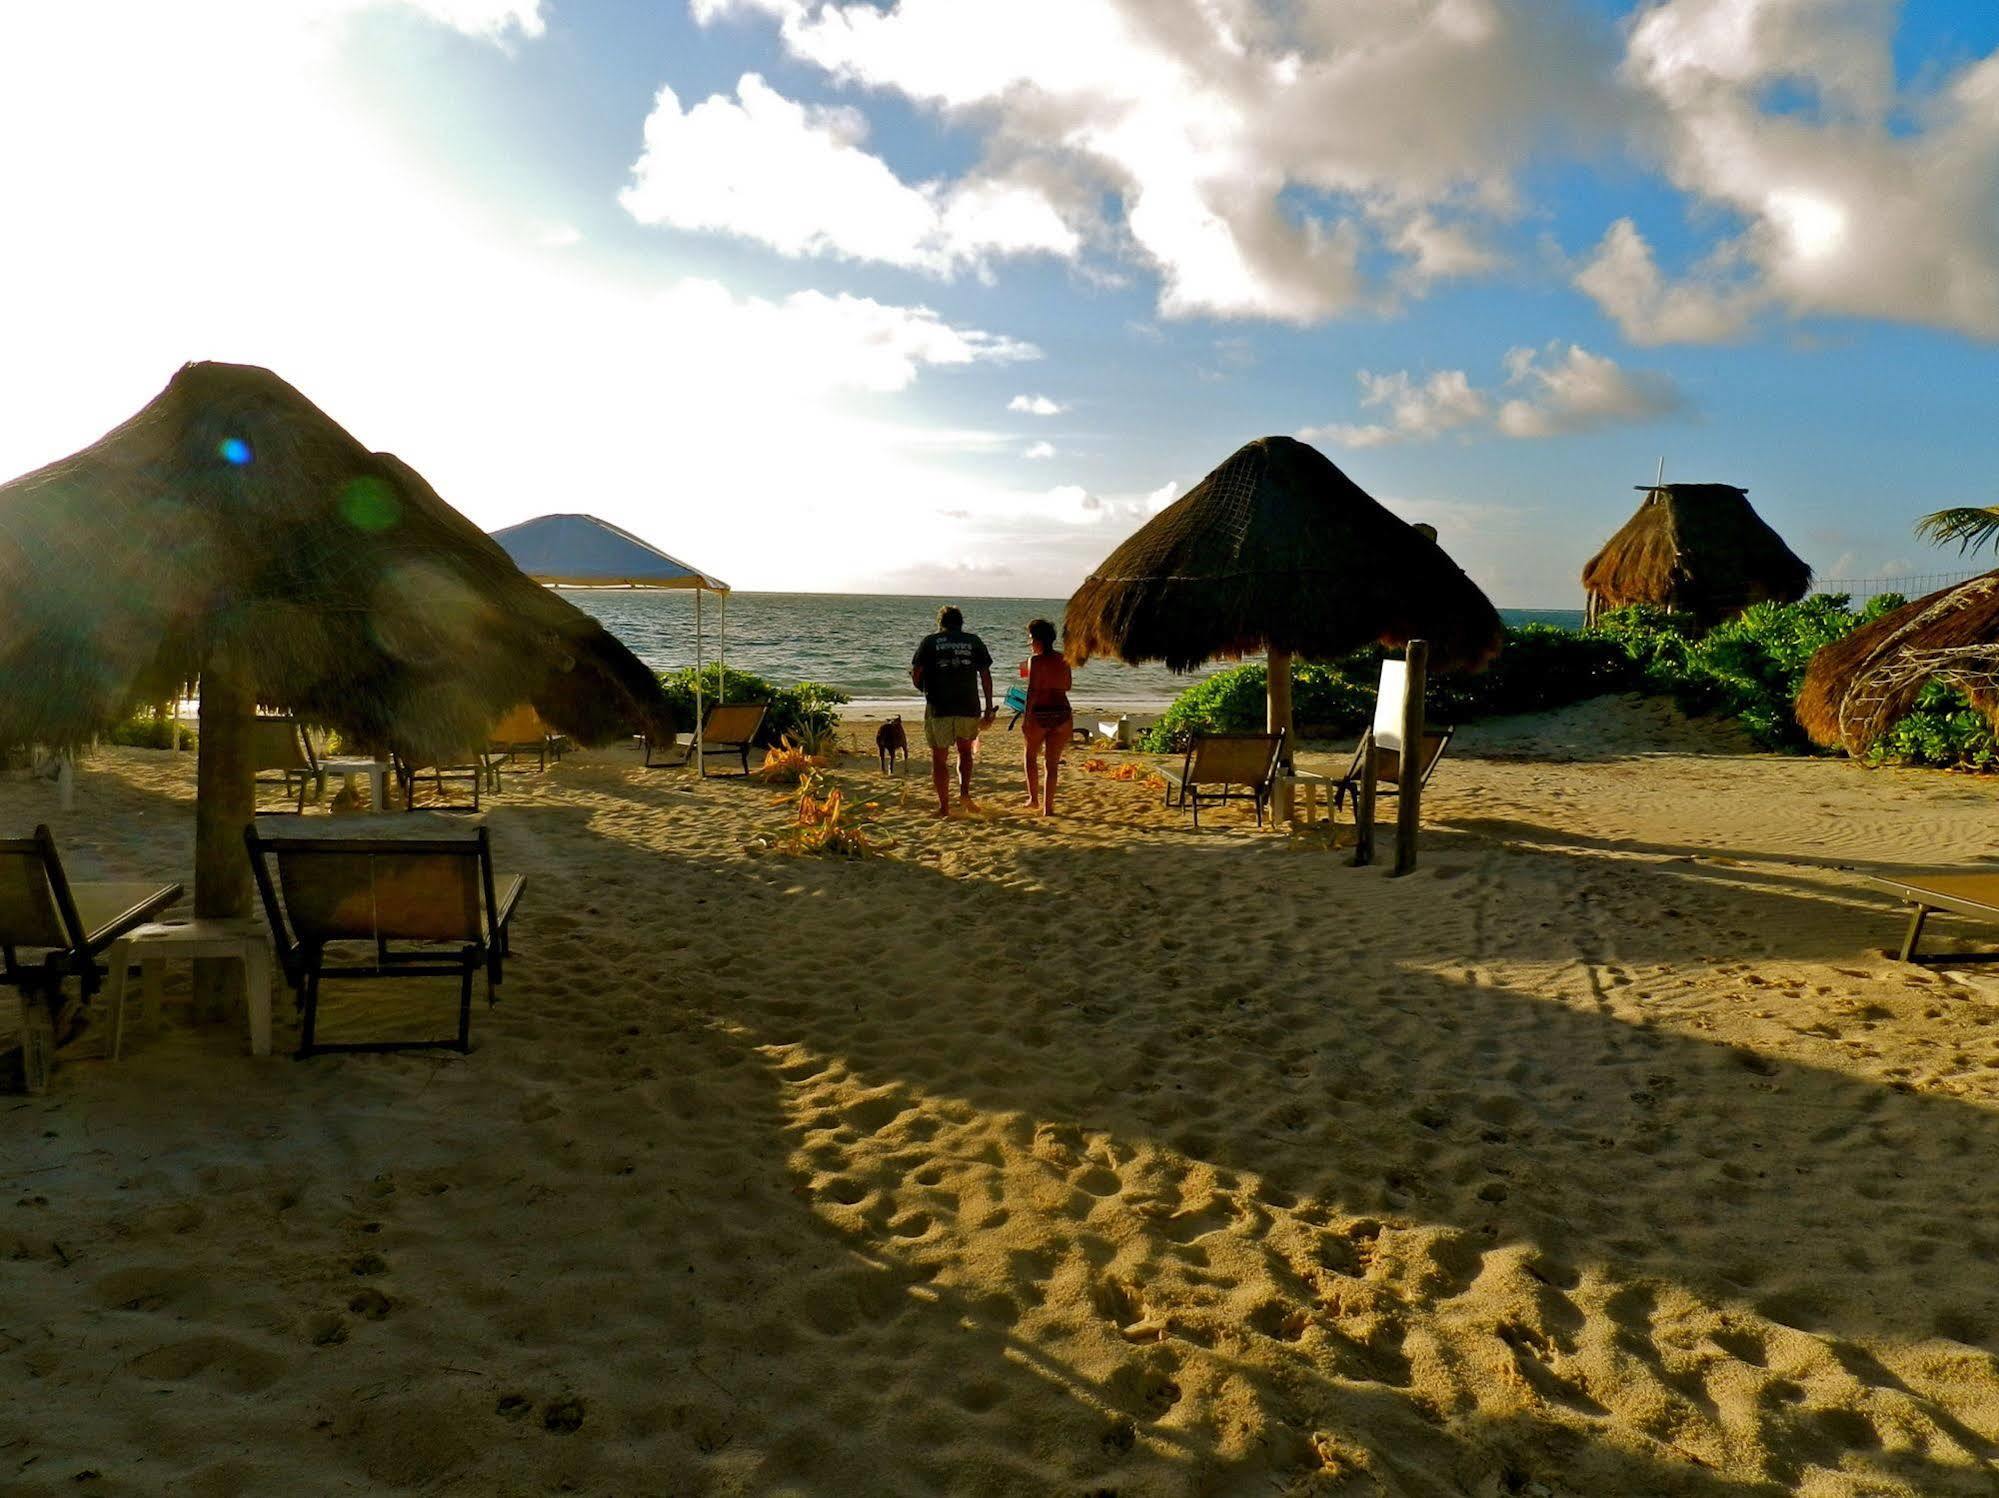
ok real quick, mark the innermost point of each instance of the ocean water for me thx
(861, 642)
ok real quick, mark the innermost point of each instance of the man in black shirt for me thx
(953, 669)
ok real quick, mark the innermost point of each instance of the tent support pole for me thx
(722, 651)
(225, 803)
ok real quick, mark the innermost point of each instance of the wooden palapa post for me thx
(1363, 806)
(1279, 688)
(1409, 789)
(225, 803)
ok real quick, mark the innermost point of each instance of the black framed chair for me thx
(729, 728)
(69, 924)
(417, 907)
(1224, 767)
(283, 755)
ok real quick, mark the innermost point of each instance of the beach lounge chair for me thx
(729, 728)
(69, 925)
(416, 906)
(1226, 767)
(477, 771)
(1388, 767)
(1973, 895)
(522, 732)
(284, 757)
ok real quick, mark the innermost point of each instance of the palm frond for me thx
(1970, 526)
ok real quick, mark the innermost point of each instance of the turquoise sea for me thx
(861, 642)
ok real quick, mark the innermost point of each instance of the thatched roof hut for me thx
(1856, 687)
(232, 532)
(1697, 549)
(1277, 550)
(232, 513)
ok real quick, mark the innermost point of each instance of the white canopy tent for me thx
(581, 551)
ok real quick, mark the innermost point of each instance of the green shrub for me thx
(1942, 729)
(147, 732)
(806, 710)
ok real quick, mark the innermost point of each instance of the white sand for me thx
(1606, 1155)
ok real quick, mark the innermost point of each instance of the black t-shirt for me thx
(951, 661)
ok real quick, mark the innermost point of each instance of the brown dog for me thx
(891, 739)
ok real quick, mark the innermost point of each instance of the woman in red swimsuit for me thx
(1046, 724)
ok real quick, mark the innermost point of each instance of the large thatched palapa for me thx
(1697, 549)
(1856, 687)
(1277, 550)
(231, 532)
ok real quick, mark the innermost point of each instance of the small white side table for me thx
(377, 771)
(154, 944)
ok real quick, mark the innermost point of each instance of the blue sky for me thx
(781, 284)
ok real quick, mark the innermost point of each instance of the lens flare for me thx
(234, 450)
(369, 504)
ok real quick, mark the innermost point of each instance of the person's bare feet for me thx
(942, 813)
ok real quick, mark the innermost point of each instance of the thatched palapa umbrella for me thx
(1696, 549)
(1277, 552)
(1856, 687)
(231, 532)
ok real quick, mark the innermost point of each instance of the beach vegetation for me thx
(827, 825)
(787, 764)
(807, 712)
(1748, 668)
(150, 731)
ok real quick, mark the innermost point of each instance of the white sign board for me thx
(1388, 700)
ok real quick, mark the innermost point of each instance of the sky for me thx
(950, 295)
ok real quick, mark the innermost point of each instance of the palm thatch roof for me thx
(232, 513)
(1856, 687)
(1697, 549)
(1277, 549)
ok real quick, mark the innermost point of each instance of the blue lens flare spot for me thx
(234, 450)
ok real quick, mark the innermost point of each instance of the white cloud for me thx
(797, 179)
(1416, 410)
(1260, 153)
(431, 323)
(493, 18)
(1577, 391)
(1573, 391)
(1858, 199)
(1036, 405)
(1039, 451)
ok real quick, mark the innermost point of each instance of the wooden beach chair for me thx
(729, 728)
(283, 757)
(1226, 767)
(1972, 895)
(477, 771)
(522, 732)
(417, 906)
(69, 925)
(1388, 767)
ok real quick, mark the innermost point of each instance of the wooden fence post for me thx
(1409, 790)
(1363, 842)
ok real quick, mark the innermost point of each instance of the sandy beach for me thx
(1608, 1154)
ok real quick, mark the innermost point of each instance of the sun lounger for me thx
(521, 732)
(476, 771)
(1226, 767)
(284, 757)
(429, 906)
(730, 728)
(69, 925)
(1388, 767)
(1973, 895)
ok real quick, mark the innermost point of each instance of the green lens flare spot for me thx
(369, 505)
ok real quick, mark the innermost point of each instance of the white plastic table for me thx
(377, 771)
(153, 944)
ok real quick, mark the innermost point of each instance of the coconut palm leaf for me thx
(1970, 526)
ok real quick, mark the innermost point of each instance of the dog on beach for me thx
(891, 739)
